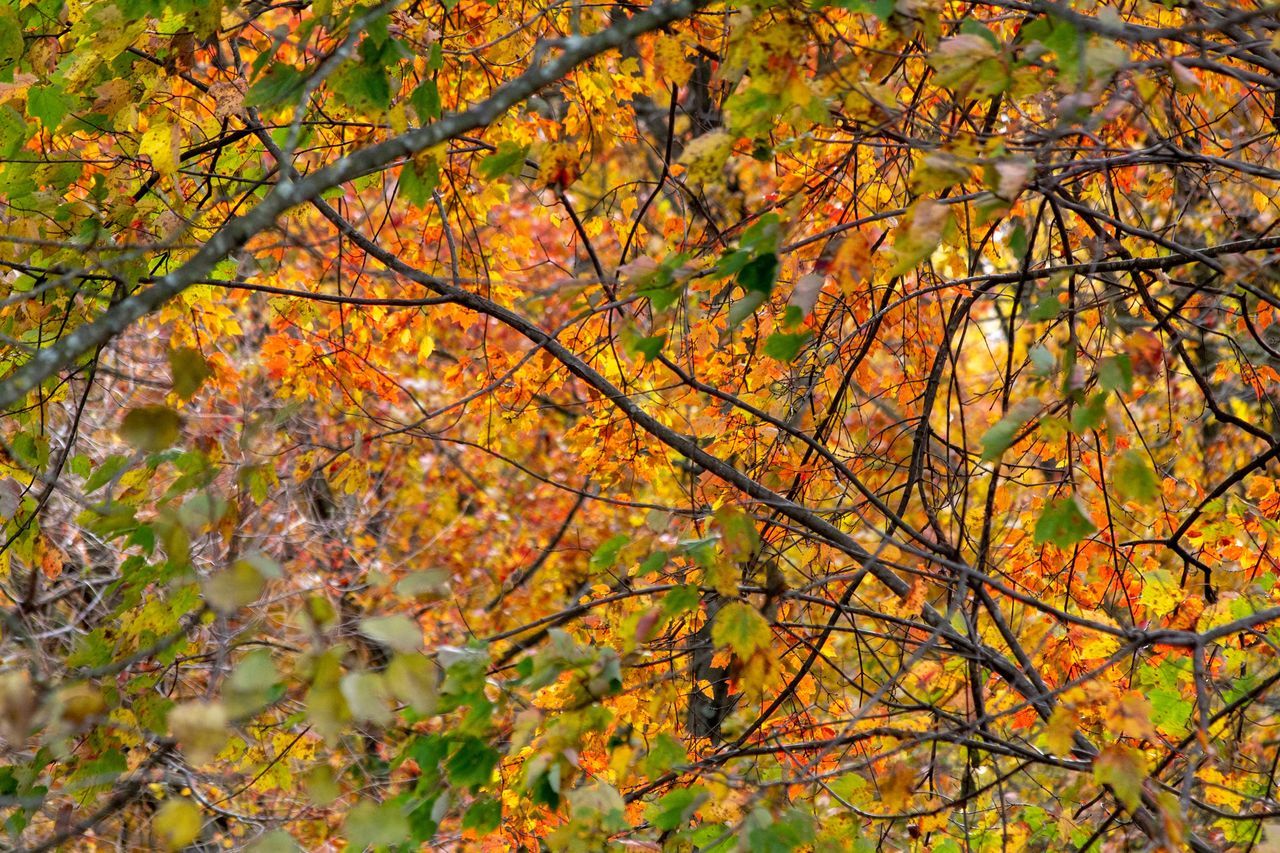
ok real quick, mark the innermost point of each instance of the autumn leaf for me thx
(1123, 769)
(1131, 716)
(926, 225)
(160, 145)
(567, 427)
(738, 536)
(177, 823)
(1059, 734)
(740, 627)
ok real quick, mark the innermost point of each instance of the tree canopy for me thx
(770, 425)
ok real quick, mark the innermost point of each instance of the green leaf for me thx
(746, 306)
(431, 584)
(10, 38)
(509, 157)
(1088, 416)
(418, 180)
(412, 678)
(1133, 479)
(104, 473)
(281, 84)
(999, 438)
(607, 554)
(1018, 239)
(151, 428)
(790, 831)
(652, 563)
(49, 104)
(200, 727)
(230, 589)
(275, 841)
(189, 370)
(1170, 710)
(1115, 373)
(676, 808)
(970, 61)
(924, 227)
(938, 170)
(1063, 523)
(739, 538)
(665, 752)
(1046, 308)
(600, 804)
(1042, 360)
(398, 633)
(784, 346)
(253, 683)
(367, 697)
(759, 274)
(484, 815)
(14, 132)
(544, 781)
(471, 765)
(425, 100)
(680, 600)
(372, 825)
(364, 84)
(741, 627)
(650, 347)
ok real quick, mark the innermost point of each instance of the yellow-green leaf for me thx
(189, 370)
(151, 428)
(1133, 478)
(1124, 769)
(412, 679)
(740, 627)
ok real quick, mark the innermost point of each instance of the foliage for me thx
(765, 425)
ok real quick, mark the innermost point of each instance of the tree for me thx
(828, 425)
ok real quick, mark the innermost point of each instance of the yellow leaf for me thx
(937, 820)
(1061, 730)
(160, 143)
(1161, 592)
(177, 823)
